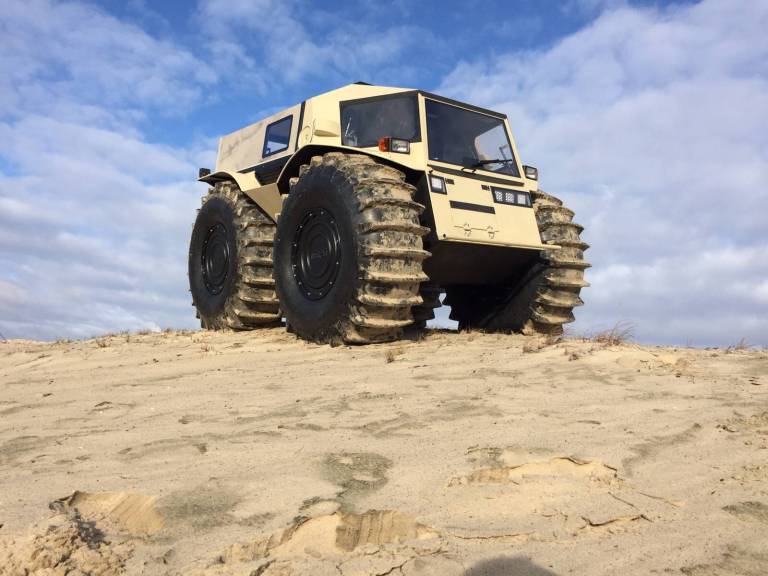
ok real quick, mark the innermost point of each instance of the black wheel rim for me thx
(214, 259)
(316, 254)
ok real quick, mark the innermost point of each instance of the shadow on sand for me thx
(504, 566)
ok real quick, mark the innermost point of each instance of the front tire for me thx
(230, 262)
(348, 251)
(540, 301)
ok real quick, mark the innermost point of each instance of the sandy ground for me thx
(459, 454)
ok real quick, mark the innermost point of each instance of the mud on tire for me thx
(542, 300)
(348, 251)
(230, 262)
(422, 313)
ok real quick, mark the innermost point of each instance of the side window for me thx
(364, 121)
(277, 137)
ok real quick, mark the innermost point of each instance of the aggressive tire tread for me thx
(387, 252)
(389, 302)
(422, 313)
(543, 300)
(385, 221)
(252, 302)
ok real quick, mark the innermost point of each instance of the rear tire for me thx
(424, 312)
(348, 251)
(230, 262)
(543, 299)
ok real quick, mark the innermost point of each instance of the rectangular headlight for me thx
(531, 173)
(511, 197)
(401, 146)
(437, 184)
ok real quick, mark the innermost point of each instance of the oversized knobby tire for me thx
(543, 298)
(230, 262)
(422, 313)
(348, 251)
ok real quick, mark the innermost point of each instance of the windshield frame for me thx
(515, 160)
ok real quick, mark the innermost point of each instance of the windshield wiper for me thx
(484, 162)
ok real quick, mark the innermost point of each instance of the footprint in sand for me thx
(127, 511)
(563, 495)
(749, 511)
(357, 473)
(338, 535)
(562, 467)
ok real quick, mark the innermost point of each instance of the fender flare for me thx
(266, 196)
(305, 153)
(269, 197)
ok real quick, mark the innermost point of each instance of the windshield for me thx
(470, 139)
(363, 122)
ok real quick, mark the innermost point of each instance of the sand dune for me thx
(457, 454)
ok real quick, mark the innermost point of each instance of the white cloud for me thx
(650, 123)
(94, 219)
(73, 57)
(94, 244)
(291, 52)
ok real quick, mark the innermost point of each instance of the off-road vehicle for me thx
(349, 214)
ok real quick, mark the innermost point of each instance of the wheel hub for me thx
(316, 254)
(215, 259)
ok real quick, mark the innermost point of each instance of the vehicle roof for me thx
(364, 90)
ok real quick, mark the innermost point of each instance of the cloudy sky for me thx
(649, 118)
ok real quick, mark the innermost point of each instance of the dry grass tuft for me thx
(742, 344)
(470, 332)
(621, 333)
(391, 354)
(102, 342)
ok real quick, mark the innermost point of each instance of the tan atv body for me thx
(483, 221)
(263, 176)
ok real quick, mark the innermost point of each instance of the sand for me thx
(457, 454)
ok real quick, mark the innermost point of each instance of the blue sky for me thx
(646, 117)
(438, 35)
